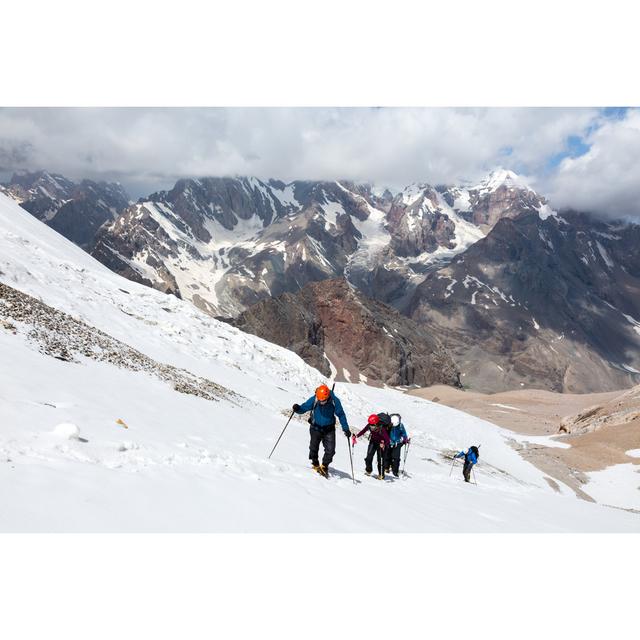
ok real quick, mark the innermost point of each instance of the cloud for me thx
(147, 149)
(605, 179)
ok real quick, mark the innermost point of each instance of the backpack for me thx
(385, 420)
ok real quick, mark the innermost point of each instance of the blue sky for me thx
(578, 145)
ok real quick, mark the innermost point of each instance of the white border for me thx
(338, 52)
(299, 54)
(318, 586)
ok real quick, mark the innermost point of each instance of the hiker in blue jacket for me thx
(324, 407)
(398, 436)
(470, 458)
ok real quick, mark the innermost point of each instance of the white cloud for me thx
(607, 178)
(148, 149)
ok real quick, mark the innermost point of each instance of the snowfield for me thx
(89, 445)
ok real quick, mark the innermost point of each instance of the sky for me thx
(585, 158)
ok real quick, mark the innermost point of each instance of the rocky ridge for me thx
(347, 336)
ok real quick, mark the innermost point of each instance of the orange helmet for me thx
(322, 393)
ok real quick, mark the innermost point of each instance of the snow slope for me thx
(178, 462)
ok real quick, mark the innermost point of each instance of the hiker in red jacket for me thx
(378, 440)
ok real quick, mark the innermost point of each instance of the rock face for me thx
(620, 411)
(333, 327)
(76, 211)
(543, 301)
(227, 243)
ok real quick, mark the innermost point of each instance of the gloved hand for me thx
(406, 441)
(354, 440)
(346, 433)
(382, 445)
(296, 407)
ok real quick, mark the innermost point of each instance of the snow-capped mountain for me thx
(502, 194)
(127, 410)
(77, 211)
(549, 301)
(226, 243)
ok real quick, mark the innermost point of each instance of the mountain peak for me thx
(503, 177)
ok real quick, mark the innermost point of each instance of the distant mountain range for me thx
(519, 294)
(76, 211)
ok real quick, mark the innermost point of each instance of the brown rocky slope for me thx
(330, 324)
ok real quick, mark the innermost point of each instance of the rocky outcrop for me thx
(418, 224)
(620, 411)
(335, 328)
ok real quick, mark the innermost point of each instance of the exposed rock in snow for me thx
(57, 334)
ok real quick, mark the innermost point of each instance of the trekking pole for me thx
(474, 476)
(278, 440)
(351, 459)
(452, 463)
(406, 453)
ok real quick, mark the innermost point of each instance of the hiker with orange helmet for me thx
(324, 407)
(378, 440)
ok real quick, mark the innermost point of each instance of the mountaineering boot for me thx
(396, 475)
(380, 476)
(367, 473)
(324, 471)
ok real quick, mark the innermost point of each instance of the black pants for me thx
(328, 438)
(392, 458)
(395, 458)
(466, 471)
(387, 458)
(372, 450)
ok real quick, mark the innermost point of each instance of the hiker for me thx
(324, 406)
(470, 458)
(378, 440)
(385, 423)
(398, 437)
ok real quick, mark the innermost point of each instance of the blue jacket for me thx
(469, 456)
(397, 434)
(324, 415)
